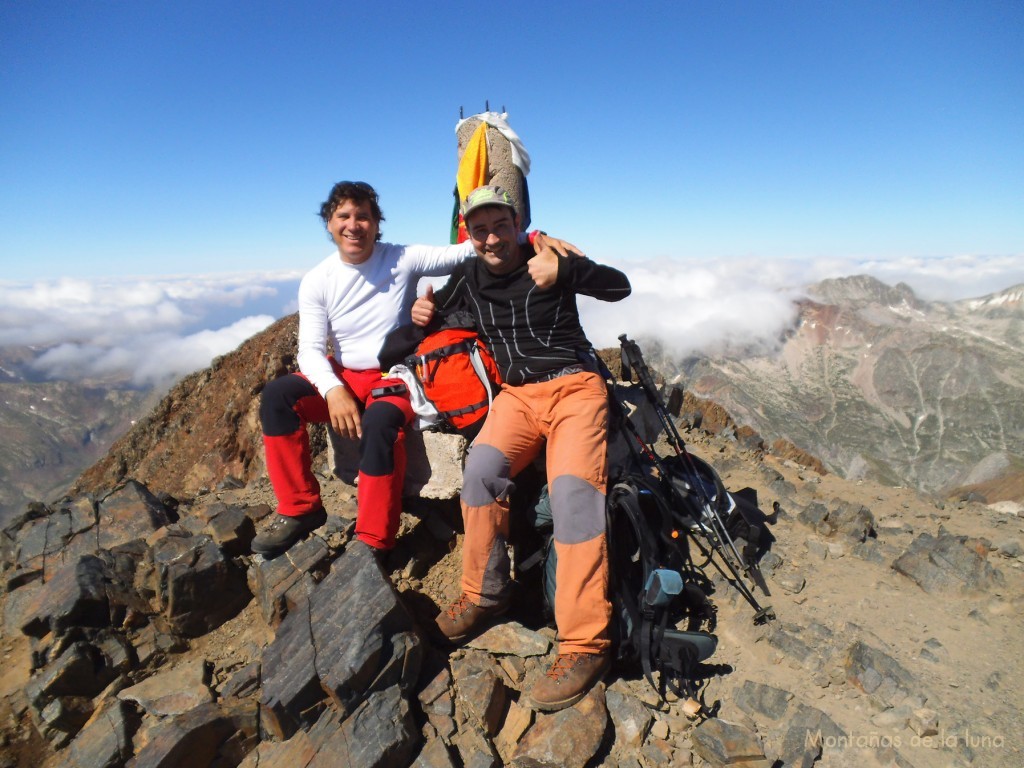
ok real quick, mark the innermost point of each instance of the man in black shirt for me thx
(525, 309)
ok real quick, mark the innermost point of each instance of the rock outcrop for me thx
(323, 656)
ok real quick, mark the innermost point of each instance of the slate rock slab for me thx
(130, 512)
(878, 674)
(759, 700)
(795, 641)
(77, 671)
(511, 637)
(244, 682)
(352, 636)
(474, 748)
(842, 519)
(281, 583)
(173, 691)
(62, 718)
(568, 738)
(948, 563)
(481, 691)
(199, 588)
(201, 736)
(632, 719)
(231, 528)
(75, 596)
(720, 742)
(106, 739)
(808, 730)
(434, 755)
(380, 733)
(40, 539)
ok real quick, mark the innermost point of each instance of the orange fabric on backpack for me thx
(444, 365)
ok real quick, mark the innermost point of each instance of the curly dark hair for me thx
(357, 192)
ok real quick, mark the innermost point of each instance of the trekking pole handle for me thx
(634, 358)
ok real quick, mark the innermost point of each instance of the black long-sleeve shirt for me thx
(531, 332)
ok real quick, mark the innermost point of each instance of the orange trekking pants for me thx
(570, 413)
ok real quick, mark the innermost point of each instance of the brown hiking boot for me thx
(460, 619)
(568, 680)
(285, 531)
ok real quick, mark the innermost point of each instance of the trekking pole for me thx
(633, 360)
(718, 534)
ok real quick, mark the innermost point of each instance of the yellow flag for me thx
(472, 173)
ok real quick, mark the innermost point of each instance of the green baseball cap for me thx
(490, 194)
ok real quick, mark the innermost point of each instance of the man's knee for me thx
(277, 404)
(382, 423)
(486, 478)
(578, 509)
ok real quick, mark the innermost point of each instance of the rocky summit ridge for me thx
(138, 631)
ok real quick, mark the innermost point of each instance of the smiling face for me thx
(494, 232)
(354, 230)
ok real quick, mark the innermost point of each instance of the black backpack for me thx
(662, 617)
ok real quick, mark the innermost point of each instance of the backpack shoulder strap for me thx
(477, 361)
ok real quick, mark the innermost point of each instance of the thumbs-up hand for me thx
(543, 268)
(423, 308)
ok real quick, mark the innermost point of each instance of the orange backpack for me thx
(459, 376)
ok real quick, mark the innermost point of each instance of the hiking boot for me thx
(568, 680)
(285, 531)
(460, 619)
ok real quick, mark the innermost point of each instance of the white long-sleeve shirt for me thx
(357, 305)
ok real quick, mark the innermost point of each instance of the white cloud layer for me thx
(708, 307)
(148, 331)
(152, 331)
(692, 307)
(948, 278)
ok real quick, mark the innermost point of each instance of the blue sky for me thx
(796, 138)
(161, 138)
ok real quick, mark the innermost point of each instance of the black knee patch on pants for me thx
(381, 424)
(277, 404)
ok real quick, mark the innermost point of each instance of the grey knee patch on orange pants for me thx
(486, 477)
(578, 510)
(486, 487)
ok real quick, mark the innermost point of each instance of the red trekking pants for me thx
(290, 402)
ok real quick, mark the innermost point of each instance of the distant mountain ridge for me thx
(52, 430)
(220, 404)
(881, 384)
(1004, 303)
